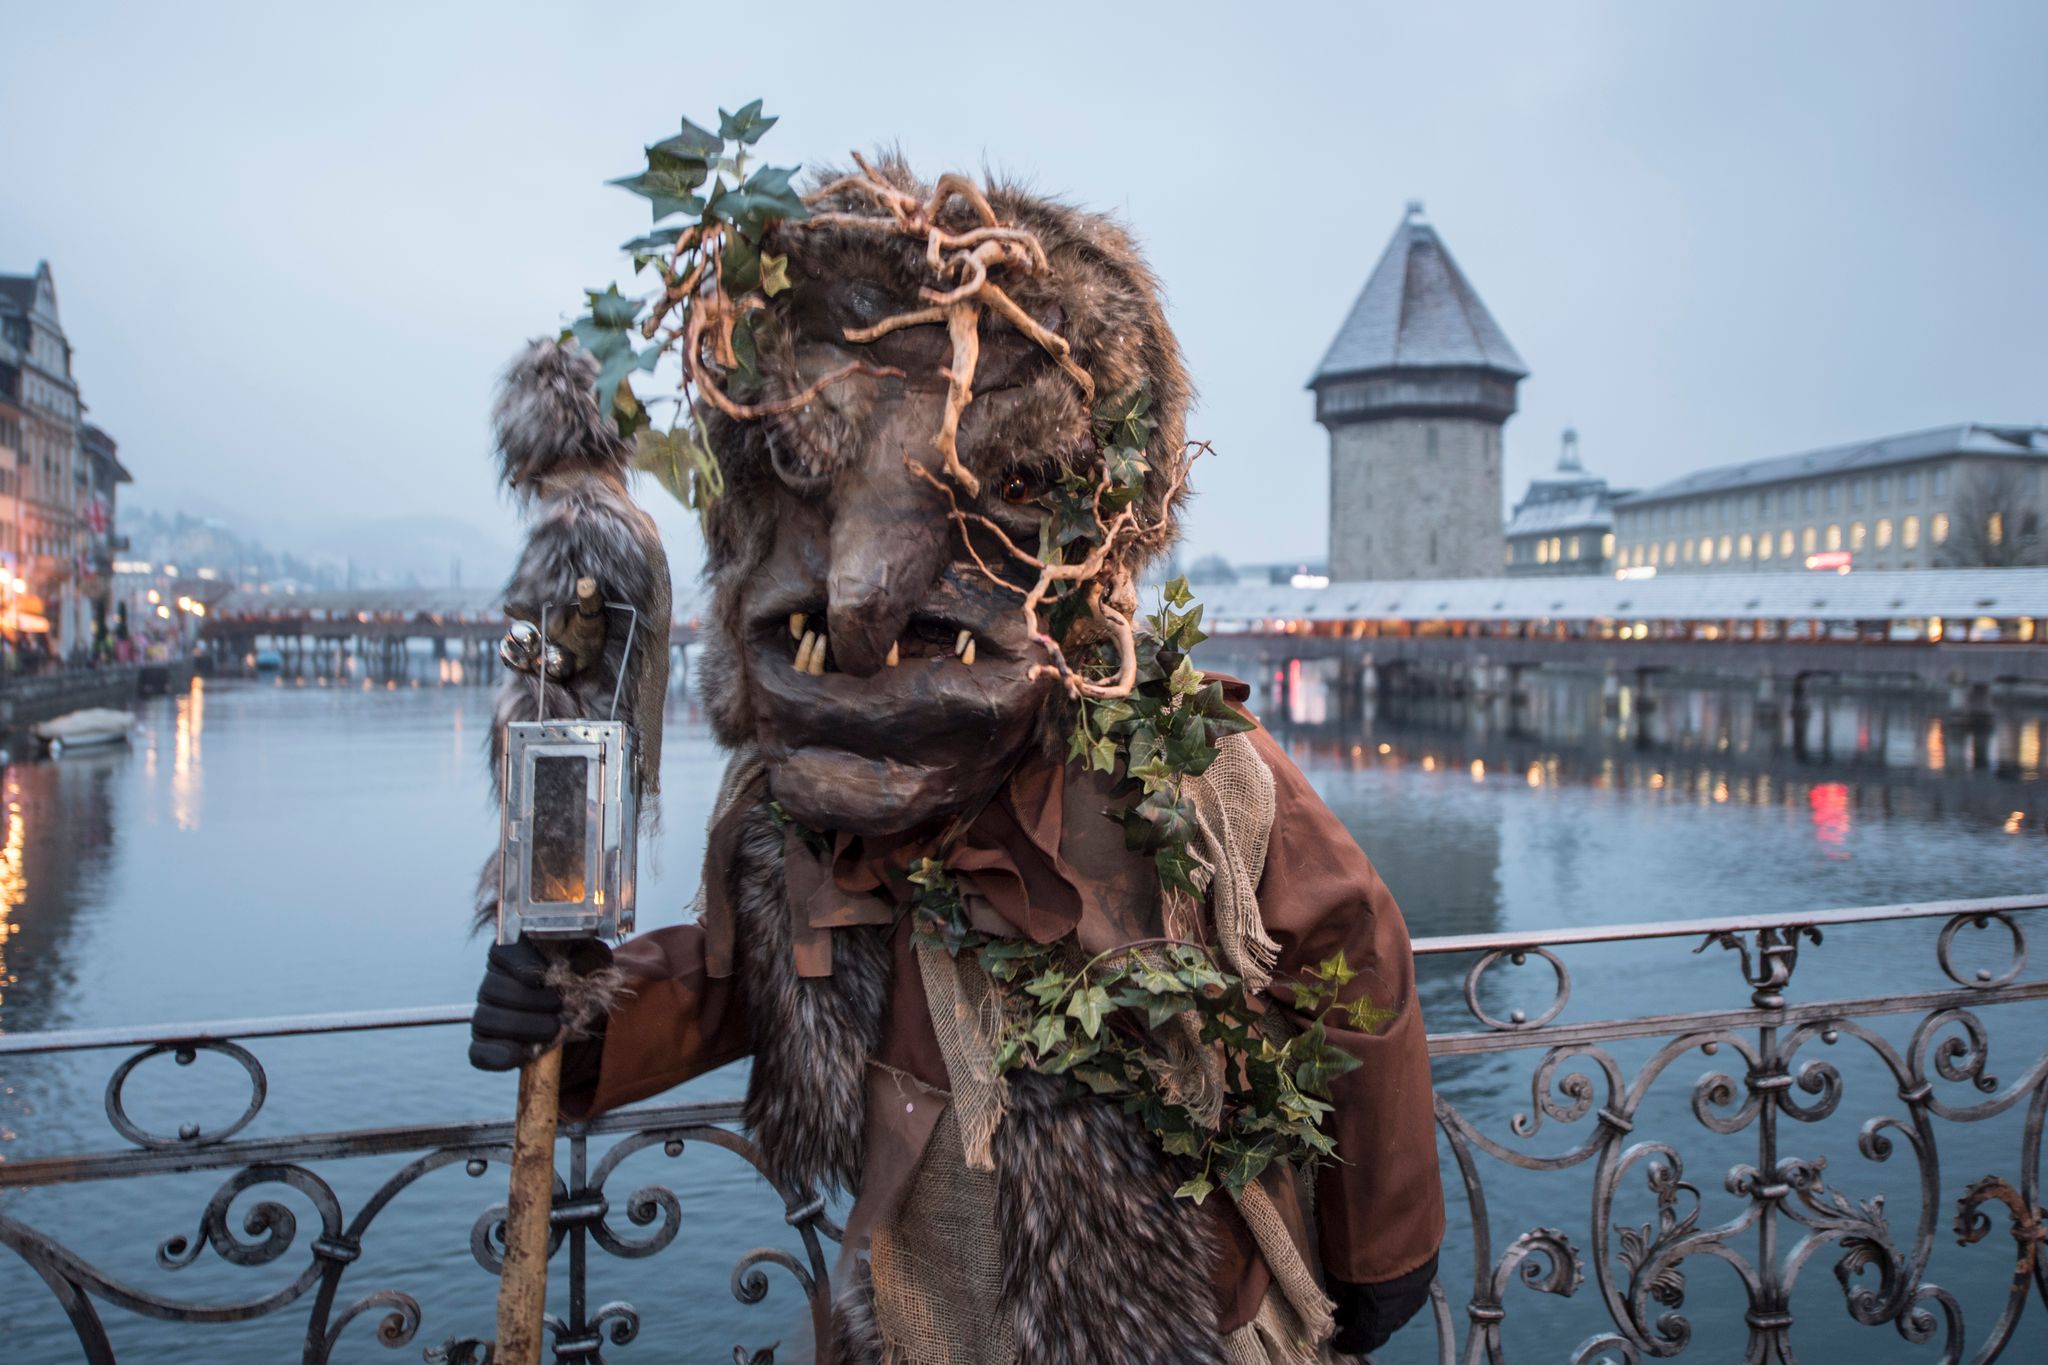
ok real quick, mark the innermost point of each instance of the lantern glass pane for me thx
(560, 841)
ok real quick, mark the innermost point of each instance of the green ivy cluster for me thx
(712, 215)
(1091, 1025)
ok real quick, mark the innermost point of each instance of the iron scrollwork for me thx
(1772, 1072)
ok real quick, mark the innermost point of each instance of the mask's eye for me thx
(1017, 490)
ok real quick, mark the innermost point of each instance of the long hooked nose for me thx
(890, 540)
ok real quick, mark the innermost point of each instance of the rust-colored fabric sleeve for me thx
(1380, 1209)
(676, 1021)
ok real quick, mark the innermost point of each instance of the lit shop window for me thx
(1809, 540)
(1574, 547)
(1856, 535)
(1937, 526)
(1763, 546)
(1884, 533)
(1909, 532)
(1745, 547)
(1834, 536)
(1994, 528)
(1726, 546)
(1607, 546)
(1670, 552)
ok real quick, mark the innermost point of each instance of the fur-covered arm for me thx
(1380, 1208)
(671, 1022)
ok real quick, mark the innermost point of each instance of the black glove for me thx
(517, 1013)
(1369, 1314)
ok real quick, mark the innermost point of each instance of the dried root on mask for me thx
(960, 263)
(1105, 576)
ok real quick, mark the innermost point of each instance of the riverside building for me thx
(1961, 496)
(1564, 524)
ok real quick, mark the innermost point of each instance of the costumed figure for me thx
(1041, 947)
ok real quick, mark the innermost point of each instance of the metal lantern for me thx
(569, 825)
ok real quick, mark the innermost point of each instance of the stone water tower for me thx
(1414, 391)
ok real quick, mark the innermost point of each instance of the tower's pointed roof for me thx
(1417, 311)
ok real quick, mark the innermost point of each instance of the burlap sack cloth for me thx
(937, 1264)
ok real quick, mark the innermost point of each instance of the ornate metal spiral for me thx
(1518, 1020)
(397, 1327)
(274, 1225)
(189, 1134)
(1984, 979)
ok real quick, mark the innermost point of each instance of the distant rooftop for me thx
(1964, 438)
(1417, 311)
(1570, 500)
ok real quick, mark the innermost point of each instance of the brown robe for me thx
(1029, 869)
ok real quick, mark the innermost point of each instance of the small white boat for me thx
(91, 728)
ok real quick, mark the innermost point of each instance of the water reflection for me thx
(1716, 744)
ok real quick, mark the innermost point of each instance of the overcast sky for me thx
(294, 246)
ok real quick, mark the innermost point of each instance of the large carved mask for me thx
(867, 630)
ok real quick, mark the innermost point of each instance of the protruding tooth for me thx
(965, 639)
(796, 625)
(817, 669)
(803, 652)
(895, 654)
(967, 654)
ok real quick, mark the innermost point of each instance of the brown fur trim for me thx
(1101, 1263)
(812, 1036)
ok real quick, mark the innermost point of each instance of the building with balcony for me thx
(1564, 524)
(48, 557)
(1960, 496)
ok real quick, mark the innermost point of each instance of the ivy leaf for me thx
(661, 239)
(745, 126)
(1048, 1033)
(1366, 1017)
(614, 395)
(1162, 1009)
(744, 349)
(1047, 988)
(692, 143)
(1181, 1144)
(667, 455)
(611, 309)
(1102, 755)
(1178, 593)
(1102, 1082)
(1197, 1189)
(774, 274)
(1246, 1164)
(765, 197)
(1177, 870)
(670, 180)
(1335, 970)
(1123, 420)
(739, 268)
(1089, 1005)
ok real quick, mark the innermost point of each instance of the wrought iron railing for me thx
(1775, 1065)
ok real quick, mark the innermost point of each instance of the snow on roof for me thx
(1706, 597)
(1417, 310)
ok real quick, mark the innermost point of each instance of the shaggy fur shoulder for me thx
(812, 1036)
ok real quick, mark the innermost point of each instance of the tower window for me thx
(1429, 443)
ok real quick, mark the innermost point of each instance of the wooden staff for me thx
(523, 1280)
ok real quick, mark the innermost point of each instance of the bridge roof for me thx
(1697, 597)
(399, 602)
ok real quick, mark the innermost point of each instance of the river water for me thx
(288, 845)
